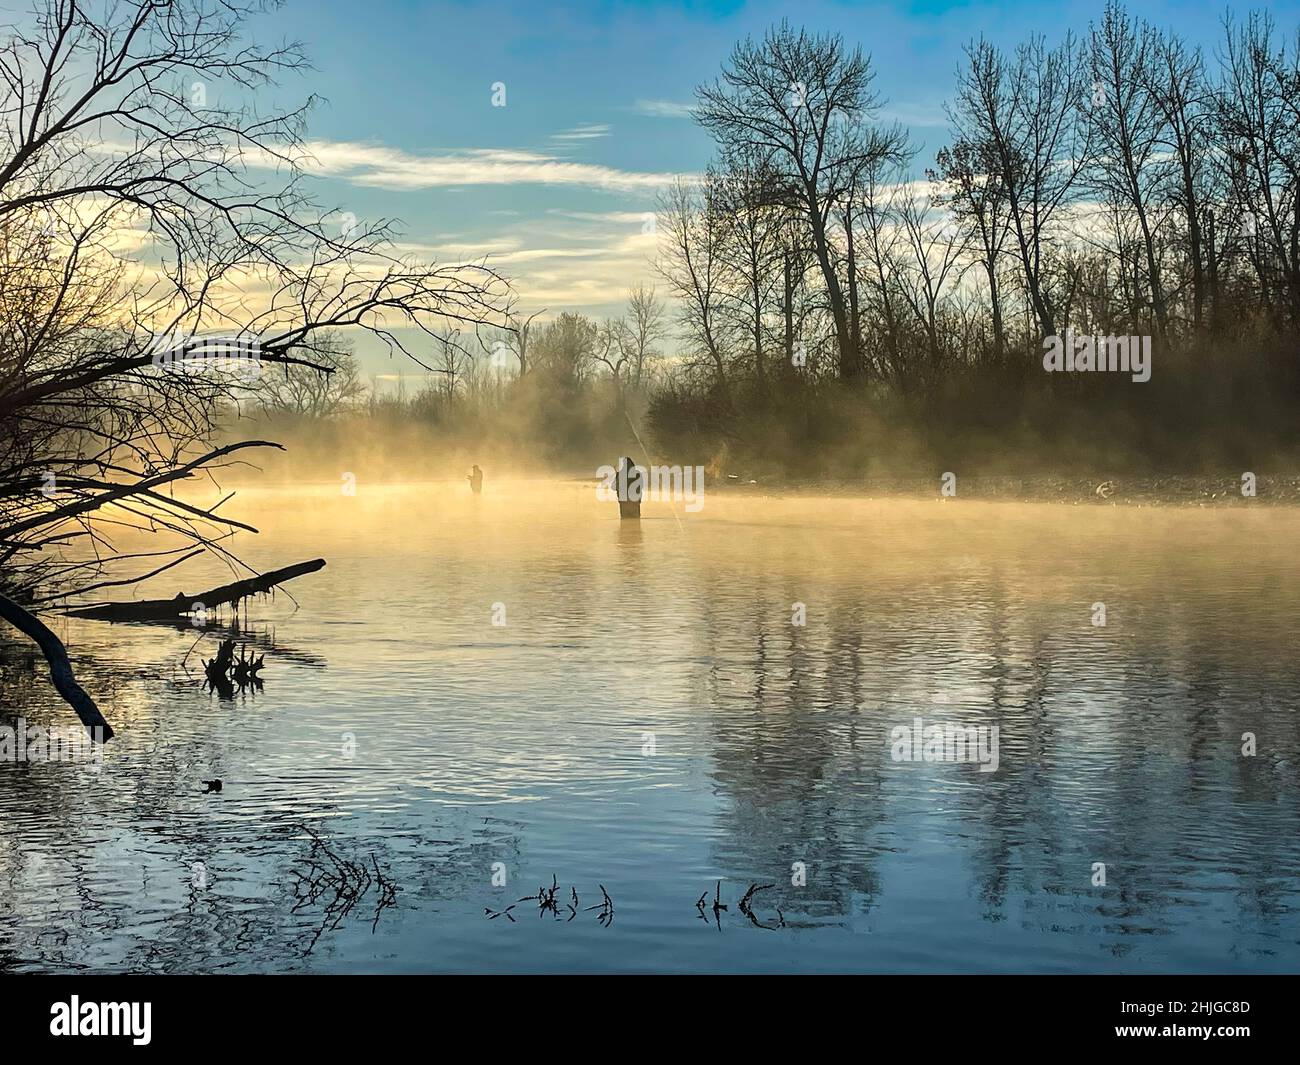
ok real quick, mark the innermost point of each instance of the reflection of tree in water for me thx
(800, 774)
(234, 910)
(1132, 760)
(1126, 753)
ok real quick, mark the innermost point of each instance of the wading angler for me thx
(627, 483)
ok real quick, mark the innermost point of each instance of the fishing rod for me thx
(646, 452)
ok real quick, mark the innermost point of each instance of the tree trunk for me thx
(995, 300)
(848, 367)
(65, 682)
(788, 310)
(855, 323)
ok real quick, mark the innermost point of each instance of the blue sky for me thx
(557, 183)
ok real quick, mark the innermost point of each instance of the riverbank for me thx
(1137, 490)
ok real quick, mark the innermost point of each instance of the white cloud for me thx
(594, 277)
(618, 218)
(589, 262)
(391, 168)
(581, 133)
(662, 108)
(578, 260)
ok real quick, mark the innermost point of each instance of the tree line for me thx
(838, 293)
(1118, 181)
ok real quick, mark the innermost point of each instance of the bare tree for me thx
(976, 197)
(692, 228)
(304, 391)
(613, 349)
(645, 327)
(455, 365)
(1029, 111)
(513, 336)
(750, 203)
(794, 304)
(937, 249)
(1175, 80)
(804, 104)
(880, 240)
(565, 349)
(1129, 164)
(139, 218)
(1260, 122)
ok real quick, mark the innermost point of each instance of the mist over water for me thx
(400, 723)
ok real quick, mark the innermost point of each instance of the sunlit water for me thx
(649, 719)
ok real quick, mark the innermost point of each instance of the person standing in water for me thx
(475, 479)
(631, 487)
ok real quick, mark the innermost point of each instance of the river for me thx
(476, 696)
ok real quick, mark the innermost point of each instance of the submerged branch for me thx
(60, 668)
(169, 609)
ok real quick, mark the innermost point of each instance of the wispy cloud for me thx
(596, 275)
(663, 108)
(587, 265)
(622, 218)
(568, 259)
(581, 133)
(391, 168)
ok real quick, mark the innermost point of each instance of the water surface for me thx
(649, 719)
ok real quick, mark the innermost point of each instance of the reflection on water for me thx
(649, 719)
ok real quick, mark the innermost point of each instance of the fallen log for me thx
(170, 609)
(65, 682)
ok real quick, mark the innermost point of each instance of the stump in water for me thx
(225, 672)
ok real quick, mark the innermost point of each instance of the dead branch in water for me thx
(168, 609)
(548, 901)
(60, 668)
(746, 907)
(606, 908)
(339, 884)
(545, 898)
